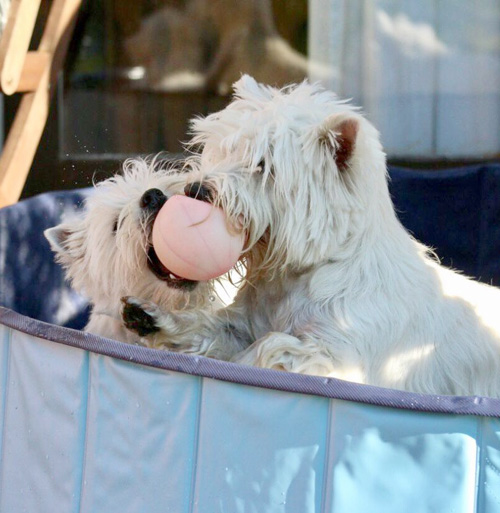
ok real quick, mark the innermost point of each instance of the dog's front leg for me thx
(220, 335)
(284, 352)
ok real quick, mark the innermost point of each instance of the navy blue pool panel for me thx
(31, 283)
(455, 211)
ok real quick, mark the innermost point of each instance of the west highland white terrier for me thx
(107, 251)
(335, 286)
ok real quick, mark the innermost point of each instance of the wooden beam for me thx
(15, 42)
(22, 142)
(26, 131)
(34, 66)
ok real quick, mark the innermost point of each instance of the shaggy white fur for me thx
(105, 251)
(335, 285)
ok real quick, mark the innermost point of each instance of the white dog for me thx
(107, 251)
(335, 285)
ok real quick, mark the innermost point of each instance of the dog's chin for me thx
(164, 274)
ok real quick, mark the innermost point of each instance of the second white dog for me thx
(107, 251)
(335, 285)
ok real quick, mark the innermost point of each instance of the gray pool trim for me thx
(264, 378)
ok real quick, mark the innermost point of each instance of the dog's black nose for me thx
(152, 200)
(198, 191)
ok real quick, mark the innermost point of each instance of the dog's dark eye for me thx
(115, 226)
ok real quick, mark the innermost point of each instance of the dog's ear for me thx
(339, 133)
(57, 237)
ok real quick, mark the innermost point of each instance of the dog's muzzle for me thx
(164, 274)
(151, 202)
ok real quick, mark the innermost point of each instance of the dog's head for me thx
(107, 251)
(300, 169)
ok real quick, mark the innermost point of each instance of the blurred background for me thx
(426, 72)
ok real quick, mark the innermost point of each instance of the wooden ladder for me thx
(34, 74)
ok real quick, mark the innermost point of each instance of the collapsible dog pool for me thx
(93, 425)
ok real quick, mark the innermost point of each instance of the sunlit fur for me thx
(335, 285)
(106, 265)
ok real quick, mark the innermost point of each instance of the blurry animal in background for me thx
(210, 43)
(169, 46)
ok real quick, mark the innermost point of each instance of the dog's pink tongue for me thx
(191, 239)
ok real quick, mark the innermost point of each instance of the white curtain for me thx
(4, 12)
(426, 72)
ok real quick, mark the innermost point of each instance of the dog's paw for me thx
(257, 355)
(283, 352)
(139, 316)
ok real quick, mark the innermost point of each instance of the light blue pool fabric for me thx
(93, 425)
